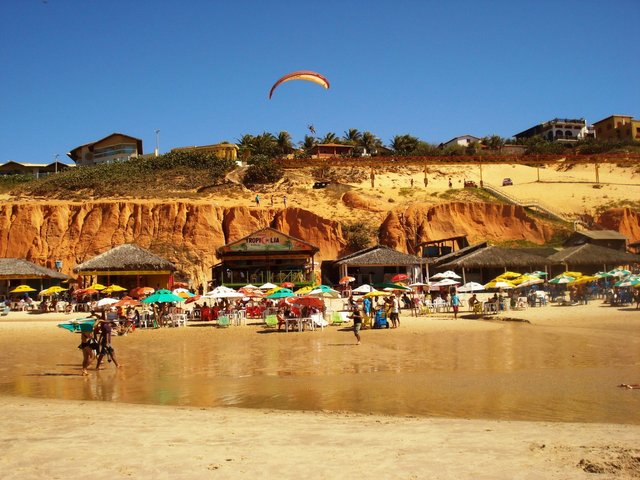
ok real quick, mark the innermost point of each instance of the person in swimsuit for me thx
(88, 347)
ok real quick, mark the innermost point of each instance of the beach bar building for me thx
(14, 271)
(266, 255)
(589, 258)
(128, 266)
(376, 265)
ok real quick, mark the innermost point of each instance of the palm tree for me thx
(308, 143)
(370, 142)
(285, 144)
(352, 136)
(330, 138)
(245, 145)
(494, 142)
(265, 144)
(404, 144)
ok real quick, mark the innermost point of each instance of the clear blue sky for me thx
(74, 71)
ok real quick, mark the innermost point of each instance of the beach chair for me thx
(271, 321)
(224, 321)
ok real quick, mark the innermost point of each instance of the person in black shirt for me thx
(356, 316)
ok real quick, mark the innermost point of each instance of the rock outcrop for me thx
(623, 220)
(403, 228)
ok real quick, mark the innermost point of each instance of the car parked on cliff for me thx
(470, 184)
(506, 182)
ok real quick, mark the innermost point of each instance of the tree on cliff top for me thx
(262, 170)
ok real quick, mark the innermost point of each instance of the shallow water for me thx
(513, 371)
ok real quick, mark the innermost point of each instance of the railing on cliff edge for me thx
(529, 203)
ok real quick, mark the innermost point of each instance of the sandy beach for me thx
(55, 419)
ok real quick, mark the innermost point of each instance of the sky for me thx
(199, 71)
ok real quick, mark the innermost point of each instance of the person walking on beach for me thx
(356, 316)
(104, 328)
(88, 346)
(394, 316)
(455, 304)
(257, 200)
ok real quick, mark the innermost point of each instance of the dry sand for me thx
(53, 438)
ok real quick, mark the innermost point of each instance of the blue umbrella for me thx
(282, 293)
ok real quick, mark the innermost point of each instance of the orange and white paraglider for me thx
(307, 75)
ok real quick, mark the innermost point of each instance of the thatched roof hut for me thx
(16, 268)
(498, 257)
(378, 255)
(125, 258)
(591, 255)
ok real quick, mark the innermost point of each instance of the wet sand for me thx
(524, 384)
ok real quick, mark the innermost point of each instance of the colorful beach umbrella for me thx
(281, 293)
(114, 289)
(498, 283)
(52, 290)
(22, 289)
(346, 279)
(471, 287)
(96, 286)
(162, 296)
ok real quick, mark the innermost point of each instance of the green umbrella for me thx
(281, 293)
(162, 296)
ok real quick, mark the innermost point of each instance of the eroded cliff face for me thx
(188, 233)
(404, 228)
(623, 220)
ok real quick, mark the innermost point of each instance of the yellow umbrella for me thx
(112, 289)
(97, 286)
(272, 291)
(499, 283)
(52, 290)
(377, 293)
(509, 275)
(304, 290)
(573, 274)
(22, 289)
(584, 279)
(523, 278)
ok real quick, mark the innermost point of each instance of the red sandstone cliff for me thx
(188, 233)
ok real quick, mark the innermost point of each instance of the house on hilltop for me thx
(559, 130)
(618, 127)
(224, 150)
(116, 147)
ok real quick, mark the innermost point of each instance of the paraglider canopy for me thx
(307, 75)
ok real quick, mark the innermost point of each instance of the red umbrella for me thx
(400, 277)
(180, 285)
(287, 285)
(306, 301)
(127, 302)
(347, 279)
(195, 298)
(141, 291)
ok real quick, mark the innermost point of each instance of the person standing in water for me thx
(356, 316)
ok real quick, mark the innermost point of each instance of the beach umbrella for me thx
(141, 291)
(306, 301)
(182, 292)
(79, 325)
(251, 292)
(497, 283)
(114, 289)
(325, 292)
(445, 282)
(223, 292)
(281, 293)
(619, 272)
(267, 286)
(377, 293)
(602, 275)
(103, 302)
(393, 286)
(346, 279)
(509, 275)
(400, 277)
(561, 279)
(85, 291)
(539, 273)
(447, 274)
(533, 280)
(22, 289)
(162, 296)
(305, 290)
(584, 279)
(195, 298)
(97, 286)
(250, 287)
(526, 278)
(287, 285)
(365, 288)
(52, 290)
(180, 285)
(471, 287)
(127, 302)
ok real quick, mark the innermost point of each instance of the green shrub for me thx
(262, 171)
